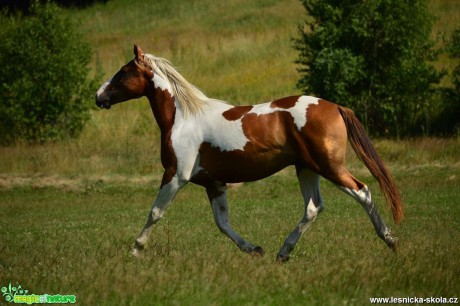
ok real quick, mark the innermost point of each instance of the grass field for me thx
(70, 211)
(76, 241)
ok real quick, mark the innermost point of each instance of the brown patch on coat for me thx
(236, 112)
(285, 103)
(326, 142)
(241, 166)
(164, 110)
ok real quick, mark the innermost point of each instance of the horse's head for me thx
(128, 83)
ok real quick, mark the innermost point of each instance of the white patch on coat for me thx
(101, 89)
(209, 127)
(159, 82)
(226, 135)
(298, 111)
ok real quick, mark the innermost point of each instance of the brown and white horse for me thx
(211, 143)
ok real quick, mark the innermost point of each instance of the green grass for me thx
(77, 242)
(239, 51)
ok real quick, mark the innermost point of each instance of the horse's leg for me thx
(309, 186)
(217, 194)
(361, 193)
(163, 200)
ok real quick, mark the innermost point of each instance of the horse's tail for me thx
(366, 152)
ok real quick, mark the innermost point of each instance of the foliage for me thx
(45, 93)
(24, 5)
(448, 122)
(454, 52)
(373, 56)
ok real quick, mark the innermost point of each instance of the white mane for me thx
(190, 98)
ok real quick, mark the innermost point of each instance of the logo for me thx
(20, 295)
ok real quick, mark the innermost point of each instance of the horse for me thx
(212, 143)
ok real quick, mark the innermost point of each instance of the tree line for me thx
(376, 57)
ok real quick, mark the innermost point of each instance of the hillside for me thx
(234, 50)
(239, 51)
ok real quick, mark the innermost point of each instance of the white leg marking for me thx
(309, 185)
(364, 197)
(163, 200)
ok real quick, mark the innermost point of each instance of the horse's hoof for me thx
(257, 251)
(282, 258)
(136, 251)
(392, 243)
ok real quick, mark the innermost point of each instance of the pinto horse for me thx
(212, 143)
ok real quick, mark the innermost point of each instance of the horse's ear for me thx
(138, 53)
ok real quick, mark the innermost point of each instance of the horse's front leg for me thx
(217, 194)
(164, 198)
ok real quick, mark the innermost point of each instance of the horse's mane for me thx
(190, 98)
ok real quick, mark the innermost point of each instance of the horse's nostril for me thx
(103, 103)
(98, 103)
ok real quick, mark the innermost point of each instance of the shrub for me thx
(24, 5)
(373, 56)
(45, 92)
(448, 120)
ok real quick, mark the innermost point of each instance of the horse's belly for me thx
(243, 166)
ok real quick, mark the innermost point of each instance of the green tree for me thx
(373, 56)
(45, 93)
(448, 120)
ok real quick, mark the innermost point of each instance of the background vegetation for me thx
(69, 210)
(377, 57)
(14, 6)
(45, 90)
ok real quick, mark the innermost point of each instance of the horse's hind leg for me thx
(309, 185)
(217, 194)
(361, 193)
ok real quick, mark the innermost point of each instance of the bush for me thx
(373, 56)
(45, 93)
(24, 5)
(448, 121)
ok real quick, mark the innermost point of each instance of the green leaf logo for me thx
(10, 292)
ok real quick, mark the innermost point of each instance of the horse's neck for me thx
(163, 107)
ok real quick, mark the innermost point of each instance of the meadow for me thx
(75, 238)
(70, 211)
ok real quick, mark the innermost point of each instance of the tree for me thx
(24, 5)
(373, 56)
(448, 121)
(45, 93)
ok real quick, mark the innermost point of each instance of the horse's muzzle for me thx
(103, 103)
